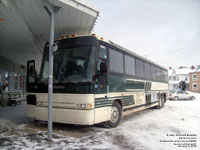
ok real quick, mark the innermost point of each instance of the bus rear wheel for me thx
(161, 103)
(116, 113)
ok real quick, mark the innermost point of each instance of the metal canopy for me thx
(24, 26)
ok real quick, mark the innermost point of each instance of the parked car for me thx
(176, 95)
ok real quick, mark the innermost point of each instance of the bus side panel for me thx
(102, 108)
(139, 109)
(64, 108)
(102, 114)
(30, 111)
(83, 117)
(159, 86)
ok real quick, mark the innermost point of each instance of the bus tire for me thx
(116, 113)
(161, 104)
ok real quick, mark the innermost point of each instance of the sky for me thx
(164, 31)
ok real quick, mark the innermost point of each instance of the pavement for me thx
(150, 129)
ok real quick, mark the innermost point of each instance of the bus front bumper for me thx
(62, 115)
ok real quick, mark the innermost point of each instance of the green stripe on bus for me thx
(104, 101)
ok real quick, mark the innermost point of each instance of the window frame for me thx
(145, 73)
(153, 67)
(136, 73)
(193, 86)
(133, 58)
(194, 79)
(117, 72)
(124, 52)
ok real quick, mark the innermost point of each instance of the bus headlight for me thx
(84, 106)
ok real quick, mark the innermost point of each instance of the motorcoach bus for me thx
(94, 81)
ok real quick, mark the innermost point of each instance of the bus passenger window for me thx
(116, 61)
(101, 77)
(102, 52)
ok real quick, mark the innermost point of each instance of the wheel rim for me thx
(114, 114)
(176, 98)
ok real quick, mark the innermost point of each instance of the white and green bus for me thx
(94, 81)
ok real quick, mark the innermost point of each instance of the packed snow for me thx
(176, 126)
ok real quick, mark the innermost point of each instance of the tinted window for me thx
(158, 71)
(102, 56)
(116, 61)
(139, 68)
(166, 76)
(162, 75)
(147, 70)
(134, 85)
(102, 59)
(129, 65)
(153, 72)
(71, 65)
(102, 52)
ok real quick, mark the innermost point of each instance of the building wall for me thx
(183, 77)
(12, 76)
(197, 82)
(10, 66)
(176, 79)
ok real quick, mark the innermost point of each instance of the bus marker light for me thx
(89, 105)
(73, 35)
(84, 106)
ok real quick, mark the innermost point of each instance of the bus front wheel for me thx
(116, 113)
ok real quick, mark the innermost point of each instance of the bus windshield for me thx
(71, 65)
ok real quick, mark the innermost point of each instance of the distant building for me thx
(195, 80)
(178, 75)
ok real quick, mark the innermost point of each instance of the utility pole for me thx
(51, 10)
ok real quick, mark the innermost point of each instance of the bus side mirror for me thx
(103, 67)
(103, 70)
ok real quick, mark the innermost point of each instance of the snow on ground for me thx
(146, 130)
